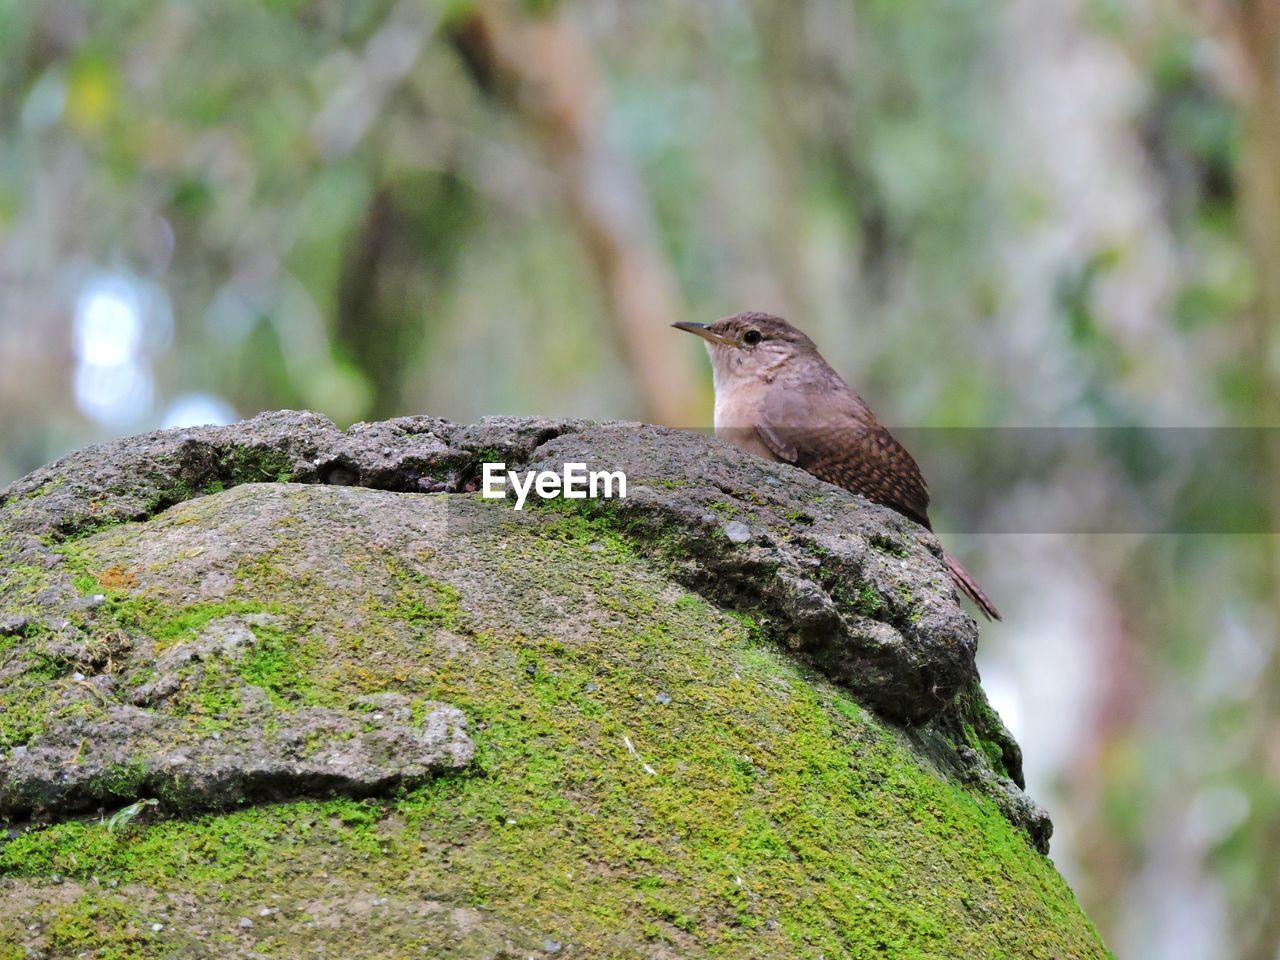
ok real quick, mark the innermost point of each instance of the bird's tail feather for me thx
(969, 587)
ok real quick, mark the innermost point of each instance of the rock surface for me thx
(735, 713)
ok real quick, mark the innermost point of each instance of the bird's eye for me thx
(752, 337)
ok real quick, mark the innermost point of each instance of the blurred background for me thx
(1030, 214)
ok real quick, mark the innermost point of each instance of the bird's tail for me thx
(969, 587)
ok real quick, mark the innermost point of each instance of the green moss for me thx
(750, 810)
(233, 466)
(860, 598)
(908, 604)
(29, 704)
(104, 925)
(34, 686)
(44, 488)
(820, 824)
(725, 508)
(165, 625)
(662, 777)
(987, 748)
(799, 516)
(422, 602)
(981, 728)
(213, 700)
(19, 585)
(278, 661)
(255, 465)
(118, 782)
(166, 482)
(887, 545)
(151, 615)
(612, 522)
(168, 627)
(281, 665)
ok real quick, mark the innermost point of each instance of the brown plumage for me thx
(778, 398)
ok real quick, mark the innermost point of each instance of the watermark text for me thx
(573, 482)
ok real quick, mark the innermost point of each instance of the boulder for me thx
(280, 689)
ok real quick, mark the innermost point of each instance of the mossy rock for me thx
(380, 723)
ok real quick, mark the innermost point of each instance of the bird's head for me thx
(750, 345)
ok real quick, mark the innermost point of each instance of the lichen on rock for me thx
(734, 714)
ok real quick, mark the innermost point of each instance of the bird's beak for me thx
(702, 330)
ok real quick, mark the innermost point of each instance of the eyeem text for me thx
(574, 482)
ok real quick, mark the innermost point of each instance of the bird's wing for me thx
(839, 440)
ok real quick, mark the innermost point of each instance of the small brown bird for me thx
(777, 398)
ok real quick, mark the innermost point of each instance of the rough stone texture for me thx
(838, 578)
(127, 751)
(408, 721)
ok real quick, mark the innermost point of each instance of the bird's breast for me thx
(738, 409)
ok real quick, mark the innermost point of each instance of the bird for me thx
(776, 397)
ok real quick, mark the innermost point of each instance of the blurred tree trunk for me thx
(1249, 31)
(394, 271)
(813, 125)
(377, 340)
(541, 68)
